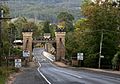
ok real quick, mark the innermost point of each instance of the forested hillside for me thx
(43, 9)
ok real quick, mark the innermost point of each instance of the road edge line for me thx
(66, 72)
(42, 74)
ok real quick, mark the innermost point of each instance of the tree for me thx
(4, 26)
(40, 31)
(65, 16)
(53, 28)
(6, 10)
(46, 27)
(67, 19)
(70, 45)
(19, 25)
(76, 41)
(101, 17)
(7, 33)
(11, 32)
(31, 26)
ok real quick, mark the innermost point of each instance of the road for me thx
(57, 75)
(29, 76)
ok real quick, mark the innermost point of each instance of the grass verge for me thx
(2, 79)
(5, 73)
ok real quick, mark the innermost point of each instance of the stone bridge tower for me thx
(60, 44)
(27, 42)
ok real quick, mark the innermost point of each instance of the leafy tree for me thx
(11, 32)
(8, 33)
(53, 28)
(77, 41)
(46, 27)
(6, 10)
(70, 45)
(67, 19)
(31, 26)
(23, 24)
(19, 25)
(65, 16)
(40, 31)
(101, 17)
(4, 26)
(81, 25)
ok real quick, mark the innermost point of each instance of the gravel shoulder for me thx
(30, 76)
(27, 75)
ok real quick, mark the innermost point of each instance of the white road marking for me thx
(65, 72)
(42, 74)
(68, 73)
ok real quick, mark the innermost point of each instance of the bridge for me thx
(50, 40)
(59, 40)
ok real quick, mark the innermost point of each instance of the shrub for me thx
(116, 61)
(6, 71)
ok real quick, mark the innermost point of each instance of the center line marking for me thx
(42, 74)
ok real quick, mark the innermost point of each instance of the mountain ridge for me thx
(43, 9)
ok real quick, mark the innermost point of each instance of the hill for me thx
(43, 9)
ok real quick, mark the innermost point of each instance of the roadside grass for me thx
(2, 79)
(5, 73)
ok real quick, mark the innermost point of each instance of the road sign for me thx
(79, 56)
(101, 56)
(17, 63)
(26, 53)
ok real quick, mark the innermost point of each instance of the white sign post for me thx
(26, 53)
(79, 56)
(17, 63)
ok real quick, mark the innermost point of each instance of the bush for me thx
(116, 61)
(91, 61)
(6, 71)
(2, 79)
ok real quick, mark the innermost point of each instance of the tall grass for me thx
(5, 72)
(2, 79)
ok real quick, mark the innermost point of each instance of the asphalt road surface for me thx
(57, 75)
(30, 76)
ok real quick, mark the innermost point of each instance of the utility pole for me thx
(100, 49)
(1, 16)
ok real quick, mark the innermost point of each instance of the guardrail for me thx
(49, 56)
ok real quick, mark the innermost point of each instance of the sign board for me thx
(26, 53)
(102, 56)
(17, 63)
(79, 56)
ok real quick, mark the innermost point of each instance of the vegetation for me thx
(5, 72)
(2, 79)
(83, 35)
(66, 21)
(43, 9)
(102, 17)
(8, 33)
(116, 61)
(46, 27)
(86, 38)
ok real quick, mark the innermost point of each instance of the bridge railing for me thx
(49, 56)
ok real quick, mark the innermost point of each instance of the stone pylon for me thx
(27, 42)
(60, 45)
